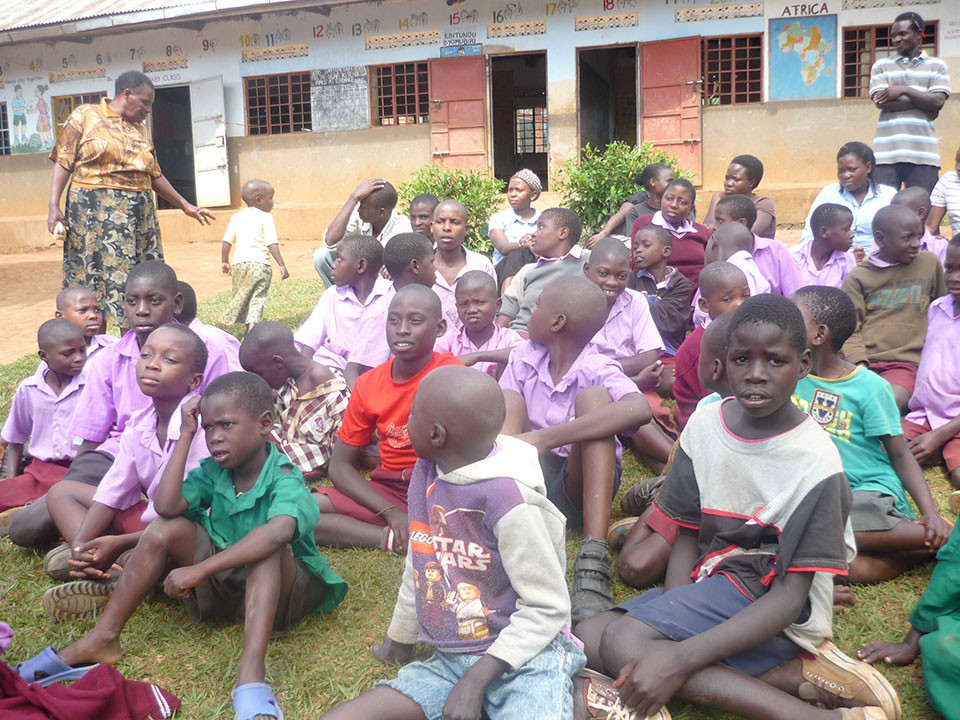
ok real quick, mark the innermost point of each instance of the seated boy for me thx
(723, 287)
(310, 398)
(558, 255)
(452, 259)
(408, 259)
(80, 306)
(480, 336)
(238, 531)
(41, 413)
(421, 214)
(214, 337)
(743, 622)
(932, 426)
(345, 329)
(771, 256)
(100, 523)
(355, 512)
(892, 290)
(501, 640)
(571, 402)
(856, 408)
(368, 211)
(732, 243)
(825, 260)
(918, 200)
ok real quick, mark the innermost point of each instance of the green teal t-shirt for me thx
(858, 411)
(278, 491)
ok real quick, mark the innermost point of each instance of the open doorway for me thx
(173, 140)
(607, 102)
(518, 92)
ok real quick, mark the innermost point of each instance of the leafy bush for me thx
(480, 192)
(597, 183)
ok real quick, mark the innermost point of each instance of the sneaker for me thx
(863, 713)
(592, 580)
(617, 534)
(77, 599)
(6, 519)
(833, 679)
(638, 498)
(954, 502)
(602, 701)
(56, 563)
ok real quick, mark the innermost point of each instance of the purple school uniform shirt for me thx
(756, 281)
(39, 415)
(833, 272)
(342, 329)
(549, 403)
(777, 266)
(445, 291)
(215, 337)
(141, 459)
(629, 329)
(458, 343)
(936, 395)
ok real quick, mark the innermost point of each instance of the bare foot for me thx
(90, 649)
(843, 596)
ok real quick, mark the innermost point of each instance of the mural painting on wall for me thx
(803, 57)
(31, 129)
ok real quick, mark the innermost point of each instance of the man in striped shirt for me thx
(909, 88)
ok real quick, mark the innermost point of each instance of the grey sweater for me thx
(524, 290)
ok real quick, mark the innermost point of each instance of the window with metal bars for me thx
(278, 104)
(401, 94)
(531, 130)
(4, 130)
(862, 46)
(63, 105)
(732, 70)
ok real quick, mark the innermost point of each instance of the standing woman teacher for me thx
(106, 154)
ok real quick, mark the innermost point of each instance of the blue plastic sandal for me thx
(252, 699)
(51, 667)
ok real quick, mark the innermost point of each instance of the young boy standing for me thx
(825, 260)
(255, 235)
(500, 543)
(571, 402)
(452, 260)
(743, 622)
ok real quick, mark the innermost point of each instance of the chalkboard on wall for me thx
(340, 98)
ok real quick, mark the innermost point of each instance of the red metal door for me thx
(670, 99)
(458, 113)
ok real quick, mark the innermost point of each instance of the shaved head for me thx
(581, 301)
(892, 218)
(733, 237)
(466, 402)
(420, 294)
(72, 296)
(451, 203)
(476, 280)
(264, 340)
(915, 198)
(720, 274)
(610, 248)
(252, 188)
(56, 331)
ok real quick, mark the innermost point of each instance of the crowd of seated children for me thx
(252, 234)
(360, 513)
(100, 523)
(653, 180)
(743, 175)
(892, 290)
(452, 259)
(370, 210)
(689, 237)
(945, 200)
(41, 414)
(825, 260)
(570, 402)
(918, 200)
(480, 342)
(79, 305)
(559, 254)
(511, 230)
(421, 214)
(344, 331)
(238, 532)
(744, 619)
(856, 408)
(500, 628)
(311, 398)
(932, 425)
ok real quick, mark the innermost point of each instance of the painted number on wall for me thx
(464, 17)
(330, 30)
(136, 53)
(414, 21)
(104, 59)
(208, 45)
(36, 64)
(173, 50)
(250, 40)
(69, 61)
(508, 12)
(561, 7)
(369, 26)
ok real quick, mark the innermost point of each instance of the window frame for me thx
(760, 68)
(296, 126)
(6, 148)
(540, 121)
(76, 99)
(931, 28)
(421, 94)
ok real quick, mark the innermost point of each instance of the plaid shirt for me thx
(307, 424)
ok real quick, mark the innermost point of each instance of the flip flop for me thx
(52, 667)
(252, 699)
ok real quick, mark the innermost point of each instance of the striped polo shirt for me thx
(908, 135)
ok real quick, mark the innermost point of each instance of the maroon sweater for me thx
(687, 256)
(686, 388)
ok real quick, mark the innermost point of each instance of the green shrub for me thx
(597, 183)
(480, 192)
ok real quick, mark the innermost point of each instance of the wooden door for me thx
(670, 81)
(458, 112)
(210, 142)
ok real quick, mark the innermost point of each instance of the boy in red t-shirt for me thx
(354, 512)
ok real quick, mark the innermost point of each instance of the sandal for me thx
(48, 667)
(592, 581)
(603, 702)
(253, 699)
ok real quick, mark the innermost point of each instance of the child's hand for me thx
(392, 652)
(924, 446)
(649, 377)
(284, 274)
(190, 416)
(647, 683)
(225, 269)
(937, 532)
(536, 439)
(902, 653)
(178, 583)
(593, 240)
(399, 522)
(92, 559)
(367, 187)
(469, 359)
(525, 240)
(859, 254)
(464, 702)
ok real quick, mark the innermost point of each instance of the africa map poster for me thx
(803, 57)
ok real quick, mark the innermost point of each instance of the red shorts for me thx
(895, 372)
(128, 521)
(662, 414)
(662, 526)
(391, 485)
(38, 477)
(950, 449)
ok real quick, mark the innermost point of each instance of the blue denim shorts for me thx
(542, 689)
(555, 472)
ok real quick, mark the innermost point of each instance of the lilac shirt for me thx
(756, 281)
(931, 243)
(773, 259)
(445, 291)
(40, 416)
(528, 373)
(936, 395)
(629, 329)
(833, 272)
(342, 329)
(141, 460)
(215, 337)
(459, 344)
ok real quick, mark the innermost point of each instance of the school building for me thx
(317, 95)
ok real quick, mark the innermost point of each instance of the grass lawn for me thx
(327, 659)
